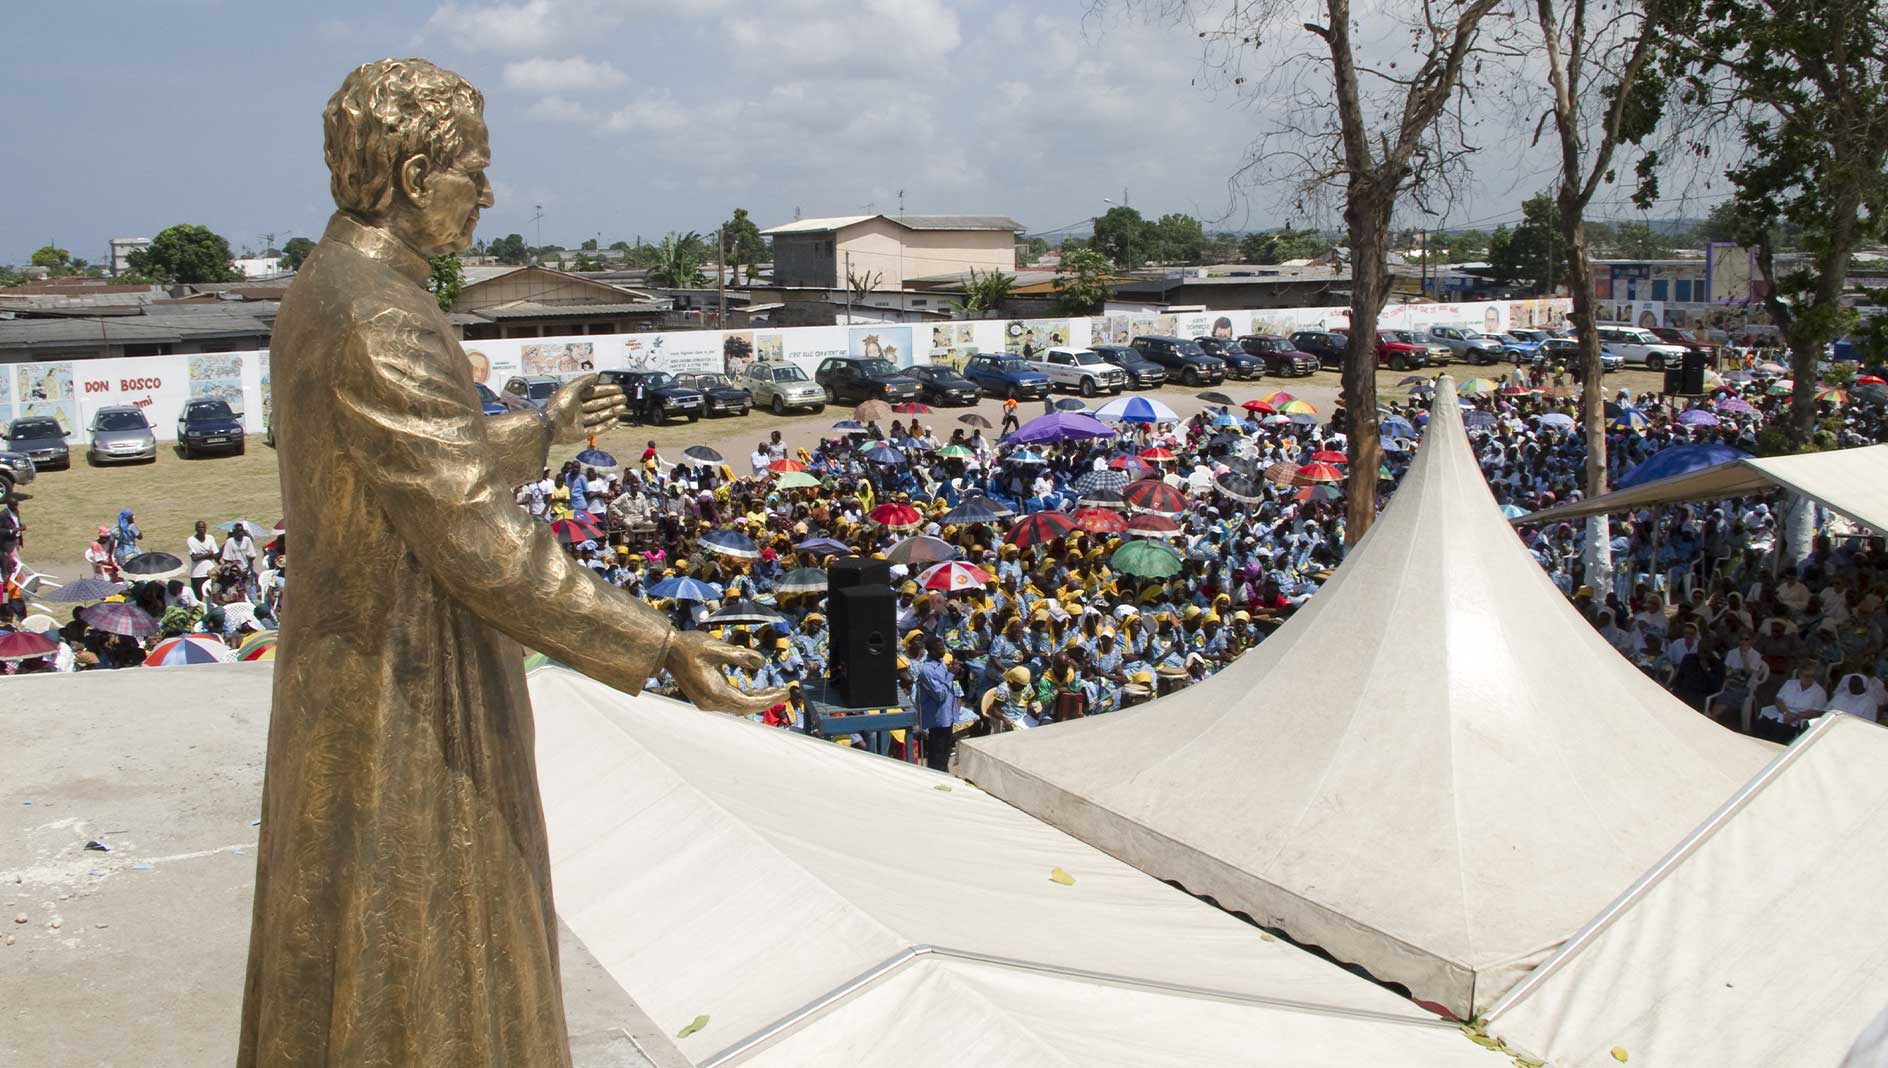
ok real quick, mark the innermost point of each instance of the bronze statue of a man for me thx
(403, 908)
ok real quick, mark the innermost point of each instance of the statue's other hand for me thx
(583, 409)
(695, 660)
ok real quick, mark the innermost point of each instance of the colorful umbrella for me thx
(1478, 385)
(683, 588)
(1146, 559)
(823, 547)
(1630, 419)
(577, 529)
(954, 576)
(1278, 397)
(1100, 520)
(1136, 410)
(1697, 417)
(1782, 387)
(1061, 426)
(1329, 456)
(118, 617)
(802, 580)
(1130, 465)
(796, 480)
(976, 510)
(955, 452)
(1297, 407)
(1317, 473)
(730, 543)
(973, 419)
(894, 515)
(912, 408)
(1157, 455)
(704, 454)
(922, 549)
(25, 645)
(1320, 493)
(1039, 528)
(1833, 396)
(153, 567)
(1259, 406)
(83, 590)
(782, 466)
(1110, 479)
(1149, 525)
(187, 649)
(1153, 495)
(260, 646)
(872, 411)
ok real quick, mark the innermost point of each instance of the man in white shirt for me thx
(760, 459)
(1794, 594)
(203, 555)
(1859, 695)
(1800, 700)
(239, 551)
(537, 497)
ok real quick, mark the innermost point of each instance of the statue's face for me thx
(449, 201)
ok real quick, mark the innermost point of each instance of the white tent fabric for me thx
(722, 869)
(1757, 942)
(1435, 769)
(1853, 482)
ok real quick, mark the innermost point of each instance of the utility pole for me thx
(848, 288)
(539, 220)
(721, 276)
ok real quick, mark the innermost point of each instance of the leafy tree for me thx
(57, 261)
(587, 262)
(589, 245)
(294, 251)
(1124, 237)
(185, 254)
(1029, 250)
(509, 249)
(985, 292)
(1638, 241)
(741, 243)
(1533, 252)
(1460, 246)
(1277, 246)
(1081, 281)
(619, 246)
(10, 277)
(677, 262)
(447, 278)
(1177, 238)
(1221, 247)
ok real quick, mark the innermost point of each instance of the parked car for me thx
(941, 385)
(121, 432)
(16, 469)
(1637, 345)
(1080, 370)
(663, 398)
(1519, 345)
(1328, 346)
(1566, 352)
(535, 390)
(489, 403)
(1469, 346)
(780, 386)
(1391, 342)
(1239, 363)
(720, 395)
(1182, 358)
(1280, 355)
(1143, 373)
(849, 379)
(1002, 375)
(1672, 335)
(209, 426)
(42, 439)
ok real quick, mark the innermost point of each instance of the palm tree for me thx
(678, 262)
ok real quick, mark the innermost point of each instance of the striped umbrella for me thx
(954, 576)
(802, 580)
(1100, 520)
(118, 617)
(1157, 455)
(895, 515)
(83, 590)
(188, 649)
(1039, 528)
(683, 588)
(1136, 410)
(577, 529)
(1153, 495)
(25, 645)
(1311, 473)
(1297, 407)
(1320, 493)
(913, 408)
(1149, 525)
(730, 543)
(1110, 479)
(976, 510)
(259, 647)
(1833, 396)
(955, 452)
(921, 549)
(1278, 397)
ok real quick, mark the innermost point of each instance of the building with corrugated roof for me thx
(882, 252)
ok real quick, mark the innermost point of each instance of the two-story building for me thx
(885, 252)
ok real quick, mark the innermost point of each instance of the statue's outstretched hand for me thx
(695, 661)
(581, 409)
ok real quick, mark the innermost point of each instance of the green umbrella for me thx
(1146, 559)
(796, 480)
(955, 452)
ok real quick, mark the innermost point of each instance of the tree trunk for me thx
(1367, 214)
(1598, 555)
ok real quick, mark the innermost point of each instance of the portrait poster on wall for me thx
(217, 375)
(891, 343)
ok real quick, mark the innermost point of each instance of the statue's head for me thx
(407, 150)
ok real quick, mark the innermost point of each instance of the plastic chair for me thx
(1757, 678)
(1762, 694)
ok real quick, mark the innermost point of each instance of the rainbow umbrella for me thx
(1276, 398)
(187, 649)
(260, 646)
(1833, 396)
(1320, 493)
(1297, 407)
(1146, 559)
(954, 576)
(1039, 528)
(1478, 385)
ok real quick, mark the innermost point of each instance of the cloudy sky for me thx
(630, 117)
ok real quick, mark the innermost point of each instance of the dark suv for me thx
(1183, 358)
(208, 425)
(1280, 356)
(1239, 364)
(1143, 373)
(662, 396)
(863, 379)
(1328, 347)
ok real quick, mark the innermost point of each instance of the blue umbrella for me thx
(1301, 418)
(596, 458)
(1061, 426)
(1025, 456)
(730, 543)
(884, 454)
(848, 424)
(1630, 419)
(83, 590)
(823, 546)
(1225, 419)
(1513, 511)
(683, 588)
(1395, 426)
(1679, 460)
(1395, 445)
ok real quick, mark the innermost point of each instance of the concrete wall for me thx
(884, 247)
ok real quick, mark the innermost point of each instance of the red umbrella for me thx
(1282, 472)
(1150, 525)
(1153, 495)
(1260, 407)
(578, 528)
(25, 645)
(1039, 528)
(1329, 456)
(896, 516)
(1870, 380)
(912, 408)
(783, 466)
(1157, 455)
(1310, 473)
(953, 576)
(1100, 520)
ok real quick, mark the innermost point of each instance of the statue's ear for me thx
(414, 170)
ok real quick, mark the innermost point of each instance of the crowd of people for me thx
(1073, 567)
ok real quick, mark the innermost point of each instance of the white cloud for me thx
(655, 114)
(850, 38)
(570, 74)
(560, 110)
(539, 25)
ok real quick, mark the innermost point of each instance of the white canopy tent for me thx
(826, 907)
(1436, 769)
(1853, 482)
(1758, 941)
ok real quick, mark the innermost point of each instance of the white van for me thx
(1637, 346)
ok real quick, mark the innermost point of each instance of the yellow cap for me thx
(913, 634)
(908, 587)
(782, 643)
(814, 617)
(1192, 611)
(1210, 617)
(1242, 616)
(1145, 678)
(717, 634)
(903, 663)
(1017, 676)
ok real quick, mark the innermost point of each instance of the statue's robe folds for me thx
(403, 910)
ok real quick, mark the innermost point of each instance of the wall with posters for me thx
(72, 391)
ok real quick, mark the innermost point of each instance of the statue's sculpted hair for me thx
(385, 112)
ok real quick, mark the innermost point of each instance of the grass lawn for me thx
(171, 494)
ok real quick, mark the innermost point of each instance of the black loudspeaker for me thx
(1674, 378)
(1691, 373)
(863, 657)
(843, 572)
